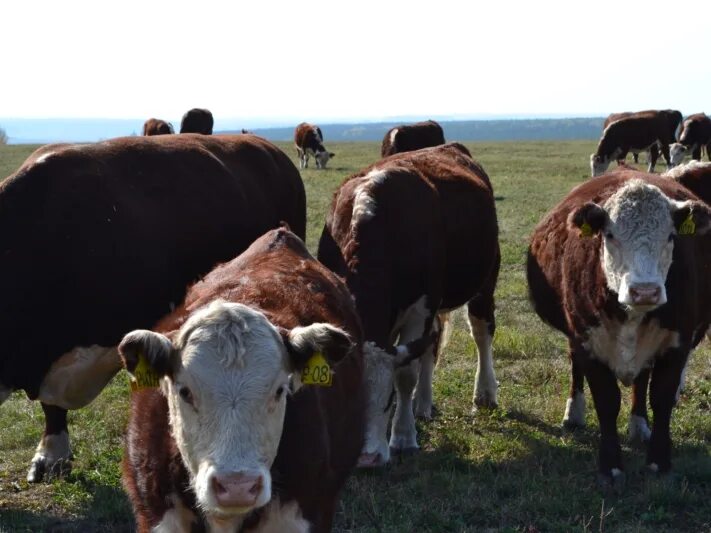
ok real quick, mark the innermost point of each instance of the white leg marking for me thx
(423, 393)
(575, 410)
(638, 430)
(179, 519)
(78, 377)
(486, 384)
(52, 450)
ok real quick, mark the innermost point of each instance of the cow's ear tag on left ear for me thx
(586, 230)
(317, 371)
(144, 377)
(688, 227)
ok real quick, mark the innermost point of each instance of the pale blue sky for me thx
(351, 60)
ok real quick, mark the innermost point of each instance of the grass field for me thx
(510, 469)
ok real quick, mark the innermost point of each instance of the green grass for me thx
(512, 469)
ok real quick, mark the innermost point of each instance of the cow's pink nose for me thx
(645, 294)
(237, 490)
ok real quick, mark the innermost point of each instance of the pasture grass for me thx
(511, 469)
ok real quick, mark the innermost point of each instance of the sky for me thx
(364, 60)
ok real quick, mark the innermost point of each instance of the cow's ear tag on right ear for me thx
(688, 227)
(586, 230)
(144, 377)
(317, 371)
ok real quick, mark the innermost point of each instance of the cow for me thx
(695, 135)
(636, 133)
(619, 266)
(672, 116)
(695, 176)
(236, 436)
(415, 236)
(308, 139)
(197, 121)
(408, 137)
(110, 235)
(156, 126)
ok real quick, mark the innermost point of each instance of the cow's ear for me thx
(153, 348)
(691, 218)
(589, 218)
(303, 342)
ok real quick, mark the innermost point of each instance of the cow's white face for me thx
(322, 158)
(226, 379)
(598, 165)
(677, 151)
(639, 224)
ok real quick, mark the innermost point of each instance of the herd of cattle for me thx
(259, 387)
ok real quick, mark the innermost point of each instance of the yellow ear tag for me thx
(688, 227)
(317, 371)
(586, 230)
(144, 377)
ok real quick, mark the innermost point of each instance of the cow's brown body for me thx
(409, 137)
(671, 116)
(113, 233)
(569, 291)
(696, 134)
(156, 126)
(197, 120)
(696, 177)
(323, 429)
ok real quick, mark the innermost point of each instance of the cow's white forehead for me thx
(638, 203)
(230, 330)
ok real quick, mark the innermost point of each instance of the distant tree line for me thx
(465, 130)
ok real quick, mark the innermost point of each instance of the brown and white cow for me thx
(234, 437)
(621, 267)
(409, 137)
(156, 126)
(695, 176)
(414, 235)
(309, 140)
(672, 116)
(197, 120)
(695, 135)
(638, 133)
(111, 234)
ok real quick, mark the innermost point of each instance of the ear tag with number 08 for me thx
(144, 377)
(317, 371)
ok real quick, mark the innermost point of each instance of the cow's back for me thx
(112, 233)
(410, 137)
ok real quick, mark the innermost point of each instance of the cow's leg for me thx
(306, 159)
(53, 455)
(664, 149)
(574, 416)
(403, 436)
(300, 155)
(696, 152)
(638, 428)
(666, 376)
(635, 156)
(708, 151)
(606, 395)
(423, 393)
(653, 156)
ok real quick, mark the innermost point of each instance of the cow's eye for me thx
(186, 395)
(609, 235)
(280, 391)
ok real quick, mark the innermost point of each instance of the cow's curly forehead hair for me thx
(228, 325)
(638, 203)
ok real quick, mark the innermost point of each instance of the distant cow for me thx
(309, 140)
(695, 176)
(408, 137)
(695, 134)
(636, 133)
(156, 126)
(109, 235)
(197, 121)
(414, 235)
(235, 436)
(672, 116)
(620, 266)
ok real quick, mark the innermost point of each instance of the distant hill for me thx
(40, 131)
(461, 130)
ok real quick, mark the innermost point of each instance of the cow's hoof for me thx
(484, 401)
(40, 468)
(424, 412)
(404, 452)
(612, 483)
(371, 460)
(573, 425)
